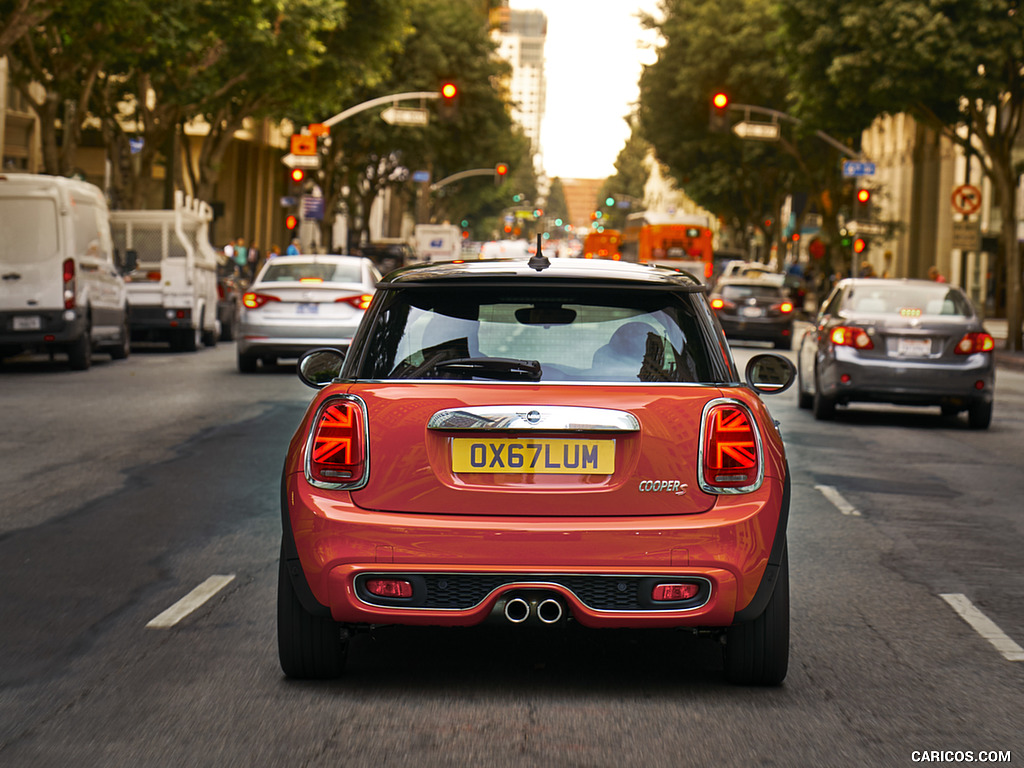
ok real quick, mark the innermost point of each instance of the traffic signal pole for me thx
(379, 101)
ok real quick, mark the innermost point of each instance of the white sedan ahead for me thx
(298, 303)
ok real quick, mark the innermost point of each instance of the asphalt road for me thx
(128, 486)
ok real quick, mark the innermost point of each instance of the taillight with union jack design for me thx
(731, 458)
(336, 451)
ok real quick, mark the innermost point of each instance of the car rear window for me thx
(327, 272)
(739, 292)
(574, 334)
(913, 300)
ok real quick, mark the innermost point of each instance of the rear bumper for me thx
(151, 318)
(909, 382)
(727, 547)
(55, 326)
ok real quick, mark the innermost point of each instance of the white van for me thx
(59, 286)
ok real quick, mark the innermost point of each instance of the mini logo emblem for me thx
(533, 417)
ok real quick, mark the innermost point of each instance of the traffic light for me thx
(860, 245)
(291, 221)
(449, 106)
(609, 201)
(863, 196)
(718, 118)
(500, 172)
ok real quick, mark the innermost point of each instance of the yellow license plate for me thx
(546, 456)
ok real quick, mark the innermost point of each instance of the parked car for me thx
(61, 289)
(535, 442)
(753, 309)
(297, 303)
(909, 342)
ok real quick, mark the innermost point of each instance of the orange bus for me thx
(603, 245)
(671, 240)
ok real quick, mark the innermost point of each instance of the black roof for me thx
(496, 271)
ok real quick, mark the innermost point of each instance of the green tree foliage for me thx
(448, 41)
(712, 45)
(949, 63)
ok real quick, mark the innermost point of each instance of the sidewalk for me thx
(1004, 358)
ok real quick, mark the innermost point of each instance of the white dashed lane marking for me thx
(985, 627)
(837, 500)
(190, 602)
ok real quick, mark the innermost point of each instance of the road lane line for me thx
(191, 602)
(984, 626)
(838, 501)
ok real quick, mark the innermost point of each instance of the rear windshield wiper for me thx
(492, 368)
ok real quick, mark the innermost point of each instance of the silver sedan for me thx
(908, 342)
(298, 303)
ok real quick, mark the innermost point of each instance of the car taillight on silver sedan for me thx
(256, 300)
(361, 301)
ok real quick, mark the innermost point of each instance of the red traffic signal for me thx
(291, 221)
(718, 117)
(863, 196)
(297, 175)
(449, 101)
(860, 245)
(501, 169)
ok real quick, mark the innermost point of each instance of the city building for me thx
(520, 36)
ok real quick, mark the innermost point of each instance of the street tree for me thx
(626, 185)
(447, 40)
(711, 46)
(957, 66)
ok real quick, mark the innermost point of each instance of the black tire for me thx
(309, 647)
(123, 348)
(80, 352)
(822, 406)
(803, 399)
(979, 415)
(189, 339)
(757, 652)
(247, 363)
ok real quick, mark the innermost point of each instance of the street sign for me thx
(303, 144)
(312, 207)
(301, 161)
(966, 235)
(405, 116)
(761, 131)
(865, 228)
(966, 199)
(421, 177)
(854, 168)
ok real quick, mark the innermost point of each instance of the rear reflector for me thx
(674, 592)
(389, 587)
(730, 449)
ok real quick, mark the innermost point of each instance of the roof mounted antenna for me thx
(539, 261)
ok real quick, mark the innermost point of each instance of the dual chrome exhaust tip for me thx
(548, 610)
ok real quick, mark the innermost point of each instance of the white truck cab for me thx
(60, 289)
(173, 286)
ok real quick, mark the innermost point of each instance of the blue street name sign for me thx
(421, 176)
(852, 168)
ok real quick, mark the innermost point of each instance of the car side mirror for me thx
(319, 367)
(769, 374)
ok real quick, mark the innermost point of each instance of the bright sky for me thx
(593, 61)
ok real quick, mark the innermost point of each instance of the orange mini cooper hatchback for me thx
(532, 443)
